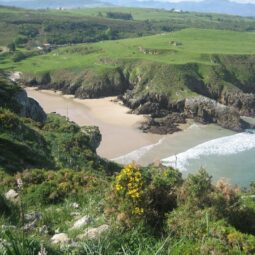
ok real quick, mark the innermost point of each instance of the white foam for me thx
(222, 146)
(194, 126)
(136, 154)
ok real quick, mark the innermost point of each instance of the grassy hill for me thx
(182, 47)
(155, 59)
(53, 166)
(34, 27)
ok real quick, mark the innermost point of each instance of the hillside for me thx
(157, 75)
(57, 196)
(66, 200)
(30, 139)
(32, 28)
(209, 6)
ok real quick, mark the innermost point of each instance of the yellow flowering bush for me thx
(129, 185)
(144, 193)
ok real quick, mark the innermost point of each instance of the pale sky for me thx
(239, 1)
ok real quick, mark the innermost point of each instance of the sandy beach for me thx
(119, 129)
(122, 141)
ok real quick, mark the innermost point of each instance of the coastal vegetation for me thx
(158, 75)
(57, 196)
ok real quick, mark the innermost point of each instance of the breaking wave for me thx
(136, 154)
(221, 146)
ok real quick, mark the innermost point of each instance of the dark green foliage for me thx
(5, 208)
(44, 187)
(17, 246)
(57, 143)
(21, 55)
(119, 15)
(68, 27)
(11, 47)
(160, 193)
(20, 145)
(20, 40)
(197, 188)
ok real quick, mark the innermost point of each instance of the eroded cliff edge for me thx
(168, 94)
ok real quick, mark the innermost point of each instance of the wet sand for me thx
(120, 133)
(173, 144)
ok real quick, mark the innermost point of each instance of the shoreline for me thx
(122, 140)
(119, 129)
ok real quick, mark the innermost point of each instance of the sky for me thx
(239, 1)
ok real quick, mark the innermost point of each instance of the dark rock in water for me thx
(29, 107)
(207, 110)
(94, 135)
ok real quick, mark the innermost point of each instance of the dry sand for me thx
(120, 133)
(121, 138)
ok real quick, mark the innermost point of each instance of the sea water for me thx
(223, 153)
(231, 157)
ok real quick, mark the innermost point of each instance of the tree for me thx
(11, 47)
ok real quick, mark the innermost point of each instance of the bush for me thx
(145, 193)
(197, 190)
(5, 207)
(119, 15)
(42, 187)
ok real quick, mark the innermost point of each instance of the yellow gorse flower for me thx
(138, 211)
(130, 181)
(118, 187)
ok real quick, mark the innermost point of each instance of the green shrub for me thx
(147, 194)
(197, 190)
(5, 208)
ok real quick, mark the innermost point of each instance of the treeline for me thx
(119, 15)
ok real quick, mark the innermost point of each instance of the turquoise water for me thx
(231, 157)
(237, 168)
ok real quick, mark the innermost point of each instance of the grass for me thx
(85, 25)
(153, 14)
(196, 46)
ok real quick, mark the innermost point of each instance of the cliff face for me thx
(40, 140)
(29, 108)
(15, 98)
(218, 93)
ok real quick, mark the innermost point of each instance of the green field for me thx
(186, 46)
(96, 53)
(93, 24)
(154, 14)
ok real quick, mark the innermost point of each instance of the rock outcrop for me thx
(94, 233)
(12, 196)
(94, 135)
(164, 91)
(29, 107)
(60, 238)
(244, 103)
(165, 125)
(82, 222)
(206, 110)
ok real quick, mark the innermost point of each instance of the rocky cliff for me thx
(15, 98)
(218, 93)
